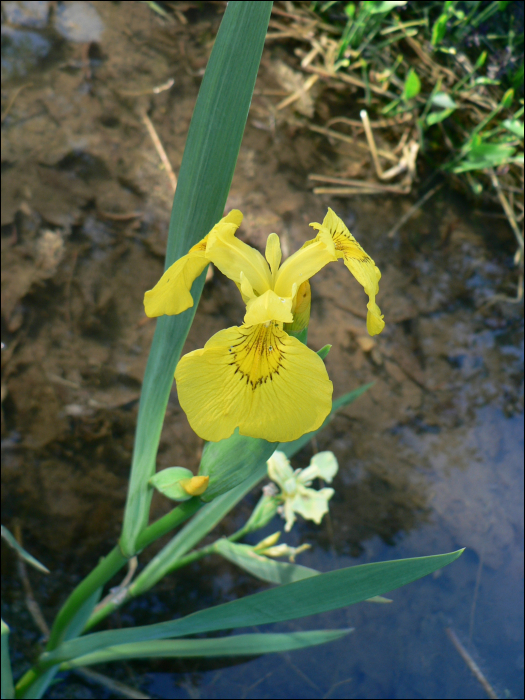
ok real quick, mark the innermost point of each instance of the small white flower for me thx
(295, 493)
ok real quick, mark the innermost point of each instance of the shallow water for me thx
(430, 458)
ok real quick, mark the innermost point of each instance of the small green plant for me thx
(235, 460)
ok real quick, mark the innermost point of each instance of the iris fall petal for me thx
(256, 378)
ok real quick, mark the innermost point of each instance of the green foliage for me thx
(412, 86)
(309, 596)
(237, 645)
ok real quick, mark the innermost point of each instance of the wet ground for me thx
(430, 458)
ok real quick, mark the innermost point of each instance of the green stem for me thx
(100, 575)
(159, 528)
(168, 522)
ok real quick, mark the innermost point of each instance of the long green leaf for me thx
(8, 690)
(205, 177)
(238, 645)
(329, 591)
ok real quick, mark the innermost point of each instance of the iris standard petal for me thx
(304, 263)
(232, 257)
(171, 295)
(273, 253)
(358, 262)
(258, 379)
(268, 307)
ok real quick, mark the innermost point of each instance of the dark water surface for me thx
(431, 458)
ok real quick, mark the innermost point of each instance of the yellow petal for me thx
(195, 486)
(171, 295)
(374, 318)
(234, 217)
(304, 263)
(268, 307)
(258, 379)
(246, 289)
(232, 257)
(358, 262)
(273, 252)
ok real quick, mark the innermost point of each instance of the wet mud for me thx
(430, 457)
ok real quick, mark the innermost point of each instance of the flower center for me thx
(259, 354)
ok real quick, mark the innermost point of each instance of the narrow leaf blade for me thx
(328, 591)
(237, 645)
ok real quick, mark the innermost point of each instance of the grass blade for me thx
(205, 177)
(238, 645)
(328, 591)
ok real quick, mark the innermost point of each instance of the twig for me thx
(350, 80)
(343, 137)
(402, 221)
(476, 591)
(474, 668)
(508, 211)
(110, 684)
(378, 124)
(32, 605)
(371, 143)
(149, 91)
(12, 99)
(160, 150)
(358, 183)
(309, 83)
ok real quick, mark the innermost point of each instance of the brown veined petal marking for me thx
(256, 378)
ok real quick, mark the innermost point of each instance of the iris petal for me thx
(358, 262)
(304, 263)
(232, 257)
(171, 295)
(258, 379)
(268, 307)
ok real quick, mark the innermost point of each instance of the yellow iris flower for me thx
(256, 377)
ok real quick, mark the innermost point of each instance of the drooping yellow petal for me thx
(171, 295)
(232, 257)
(268, 307)
(304, 263)
(300, 309)
(256, 378)
(358, 262)
(273, 252)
